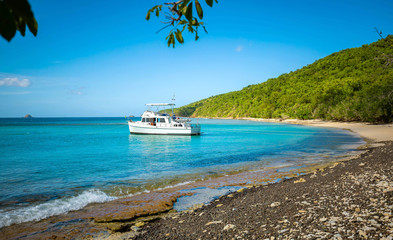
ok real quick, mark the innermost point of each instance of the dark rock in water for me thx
(28, 116)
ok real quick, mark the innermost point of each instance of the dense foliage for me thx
(14, 16)
(179, 15)
(350, 85)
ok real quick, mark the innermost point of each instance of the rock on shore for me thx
(353, 200)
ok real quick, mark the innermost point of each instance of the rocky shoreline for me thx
(352, 200)
(347, 199)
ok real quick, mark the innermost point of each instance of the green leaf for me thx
(190, 29)
(209, 2)
(205, 29)
(148, 15)
(196, 36)
(156, 8)
(189, 12)
(33, 27)
(7, 23)
(171, 40)
(199, 9)
(184, 4)
(179, 36)
(21, 25)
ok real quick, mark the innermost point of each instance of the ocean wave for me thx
(51, 208)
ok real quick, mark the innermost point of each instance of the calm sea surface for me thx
(50, 166)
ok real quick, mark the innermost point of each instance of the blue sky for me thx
(102, 58)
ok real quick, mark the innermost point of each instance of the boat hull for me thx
(157, 130)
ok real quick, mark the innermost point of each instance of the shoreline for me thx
(118, 210)
(371, 133)
(351, 200)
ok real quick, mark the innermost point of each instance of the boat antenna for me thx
(173, 101)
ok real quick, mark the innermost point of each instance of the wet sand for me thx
(123, 218)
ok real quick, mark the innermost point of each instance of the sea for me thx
(50, 166)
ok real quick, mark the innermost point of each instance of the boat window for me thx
(143, 119)
(161, 120)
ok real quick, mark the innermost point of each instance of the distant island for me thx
(351, 85)
(28, 116)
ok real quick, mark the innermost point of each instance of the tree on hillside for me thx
(14, 16)
(180, 16)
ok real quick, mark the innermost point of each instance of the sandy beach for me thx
(330, 199)
(370, 132)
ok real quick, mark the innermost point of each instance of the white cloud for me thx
(15, 82)
(239, 48)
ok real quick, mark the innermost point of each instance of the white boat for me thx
(154, 122)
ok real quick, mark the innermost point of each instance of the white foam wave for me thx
(51, 208)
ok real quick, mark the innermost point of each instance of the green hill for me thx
(351, 85)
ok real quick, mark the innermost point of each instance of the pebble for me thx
(229, 226)
(213, 222)
(338, 237)
(300, 180)
(139, 224)
(362, 233)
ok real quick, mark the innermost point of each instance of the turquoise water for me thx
(53, 165)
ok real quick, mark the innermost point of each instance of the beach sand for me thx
(370, 132)
(340, 199)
